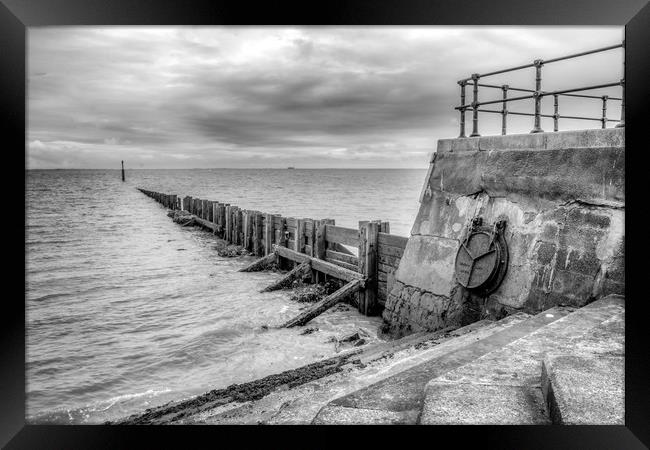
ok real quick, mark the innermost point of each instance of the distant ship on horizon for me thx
(290, 167)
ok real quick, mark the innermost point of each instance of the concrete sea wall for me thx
(562, 196)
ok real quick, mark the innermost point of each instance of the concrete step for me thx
(584, 390)
(403, 392)
(504, 385)
(587, 386)
(300, 404)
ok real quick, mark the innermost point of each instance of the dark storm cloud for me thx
(270, 96)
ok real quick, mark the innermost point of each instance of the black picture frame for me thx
(17, 15)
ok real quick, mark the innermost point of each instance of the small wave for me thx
(125, 397)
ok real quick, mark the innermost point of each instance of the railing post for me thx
(462, 84)
(603, 120)
(622, 122)
(504, 111)
(537, 94)
(556, 115)
(475, 133)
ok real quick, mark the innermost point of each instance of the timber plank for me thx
(331, 254)
(392, 240)
(324, 304)
(389, 250)
(319, 264)
(341, 235)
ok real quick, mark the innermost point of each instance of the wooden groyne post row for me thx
(315, 247)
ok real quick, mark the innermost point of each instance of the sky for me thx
(308, 97)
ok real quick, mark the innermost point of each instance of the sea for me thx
(126, 310)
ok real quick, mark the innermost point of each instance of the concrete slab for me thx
(301, 404)
(591, 138)
(337, 415)
(478, 404)
(609, 137)
(517, 364)
(405, 390)
(520, 361)
(583, 390)
(607, 339)
(457, 145)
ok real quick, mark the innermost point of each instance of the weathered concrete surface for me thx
(405, 391)
(587, 385)
(562, 196)
(610, 137)
(301, 404)
(519, 364)
(354, 416)
(585, 390)
(476, 404)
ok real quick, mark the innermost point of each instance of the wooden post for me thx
(268, 234)
(309, 239)
(368, 233)
(281, 240)
(233, 224)
(300, 236)
(254, 241)
(187, 202)
(317, 243)
(384, 227)
(244, 226)
(298, 272)
(239, 236)
(123, 179)
(258, 234)
(222, 219)
(217, 205)
(228, 223)
(324, 304)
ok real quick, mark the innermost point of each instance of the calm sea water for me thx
(126, 310)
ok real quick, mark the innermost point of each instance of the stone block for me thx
(480, 404)
(585, 390)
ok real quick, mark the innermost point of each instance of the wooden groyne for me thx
(305, 245)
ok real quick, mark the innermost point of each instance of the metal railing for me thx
(537, 94)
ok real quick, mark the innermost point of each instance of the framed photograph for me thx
(350, 216)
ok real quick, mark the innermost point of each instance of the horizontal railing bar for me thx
(497, 111)
(590, 96)
(599, 119)
(589, 52)
(588, 88)
(496, 72)
(542, 94)
(532, 90)
(552, 60)
(509, 88)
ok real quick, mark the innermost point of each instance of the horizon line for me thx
(232, 168)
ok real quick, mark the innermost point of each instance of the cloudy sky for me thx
(185, 97)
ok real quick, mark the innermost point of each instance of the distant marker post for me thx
(123, 171)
